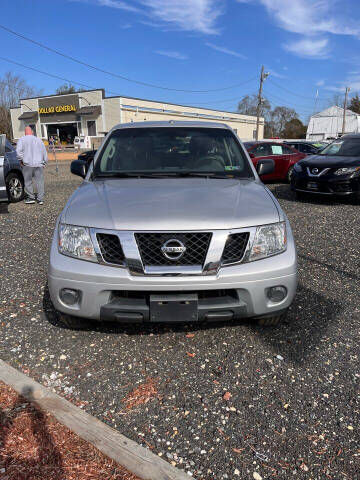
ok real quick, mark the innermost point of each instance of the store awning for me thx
(89, 110)
(29, 116)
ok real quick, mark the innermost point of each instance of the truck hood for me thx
(171, 204)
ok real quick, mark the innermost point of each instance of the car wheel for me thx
(289, 174)
(300, 195)
(15, 187)
(356, 198)
(270, 321)
(69, 321)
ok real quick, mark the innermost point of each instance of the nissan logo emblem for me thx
(315, 171)
(173, 249)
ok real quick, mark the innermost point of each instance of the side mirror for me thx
(264, 167)
(251, 155)
(79, 167)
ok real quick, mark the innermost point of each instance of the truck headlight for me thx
(346, 170)
(76, 242)
(269, 240)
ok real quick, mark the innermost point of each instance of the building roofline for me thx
(133, 98)
(64, 94)
(178, 104)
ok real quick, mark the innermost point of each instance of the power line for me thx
(116, 75)
(296, 94)
(287, 104)
(109, 91)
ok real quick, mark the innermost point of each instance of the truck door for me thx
(3, 191)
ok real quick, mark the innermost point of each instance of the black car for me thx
(335, 171)
(308, 148)
(87, 156)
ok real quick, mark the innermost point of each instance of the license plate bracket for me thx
(174, 307)
(312, 186)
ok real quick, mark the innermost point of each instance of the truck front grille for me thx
(235, 248)
(110, 248)
(150, 247)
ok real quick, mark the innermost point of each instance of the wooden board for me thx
(137, 459)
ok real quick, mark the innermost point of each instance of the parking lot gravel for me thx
(221, 401)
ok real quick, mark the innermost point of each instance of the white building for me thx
(328, 124)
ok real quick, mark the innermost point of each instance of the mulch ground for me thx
(34, 446)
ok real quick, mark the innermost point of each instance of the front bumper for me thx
(325, 185)
(236, 291)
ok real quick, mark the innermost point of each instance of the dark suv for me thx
(335, 171)
(11, 177)
(308, 148)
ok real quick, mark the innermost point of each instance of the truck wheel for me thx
(15, 187)
(270, 321)
(69, 321)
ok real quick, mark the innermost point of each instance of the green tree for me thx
(65, 88)
(294, 129)
(355, 104)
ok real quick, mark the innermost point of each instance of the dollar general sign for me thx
(57, 109)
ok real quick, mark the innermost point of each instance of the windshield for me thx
(343, 147)
(172, 151)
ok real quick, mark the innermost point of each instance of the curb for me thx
(135, 458)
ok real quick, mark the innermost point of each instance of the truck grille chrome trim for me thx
(131, 250)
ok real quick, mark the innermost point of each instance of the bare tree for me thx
(65, 88)
(280, 116)
(337, 99)
(12, 89)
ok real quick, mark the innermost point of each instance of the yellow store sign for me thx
(57, 109)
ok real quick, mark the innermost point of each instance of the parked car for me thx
(162, 234)
(11, 177)
(284, 157)
(305, 147)
(87, 156)
(335, 171)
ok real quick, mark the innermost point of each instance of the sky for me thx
(206, 53)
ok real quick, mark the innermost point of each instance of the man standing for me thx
(32, 154)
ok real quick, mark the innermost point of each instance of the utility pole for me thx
(263, 76)
(347, 90)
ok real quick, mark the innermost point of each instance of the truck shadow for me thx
(297, 337)
(302, 333)
(47, 462)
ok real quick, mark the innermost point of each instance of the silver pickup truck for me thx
(172, 224)
(11, 177)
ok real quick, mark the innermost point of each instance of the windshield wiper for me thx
(206, 174)
(162, 175)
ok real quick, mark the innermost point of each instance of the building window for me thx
(254, 134)
(91, 126)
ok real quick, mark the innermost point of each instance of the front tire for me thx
(270, 321)
(356, 198)
(300, 195)
(289, 174)
(74, 323)
(15, 187)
